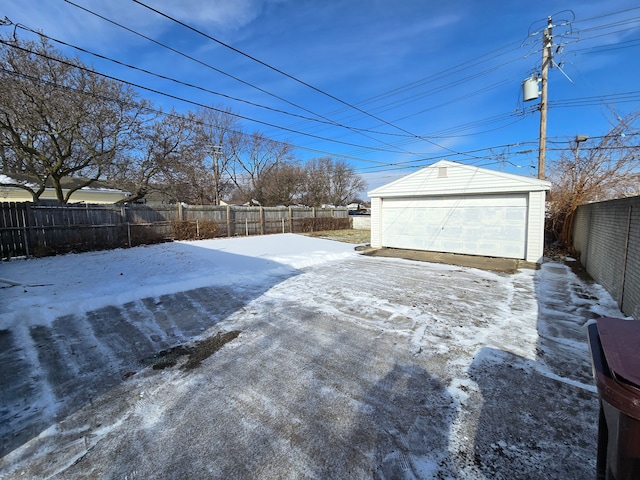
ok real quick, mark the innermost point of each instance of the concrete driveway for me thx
(364, 367)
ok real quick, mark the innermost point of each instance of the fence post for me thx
(283, 225)
(246, 226)
(290, 220)
(228, 221)
(25, 234)
(124, 219)
(261, 221)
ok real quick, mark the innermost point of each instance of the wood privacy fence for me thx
(28, 229)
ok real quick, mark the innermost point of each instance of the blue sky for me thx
(387, 86)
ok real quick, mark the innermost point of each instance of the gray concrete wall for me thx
(607, 236)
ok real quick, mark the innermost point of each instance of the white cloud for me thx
(226, 15)
(76, 24)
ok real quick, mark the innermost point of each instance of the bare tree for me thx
(609, 169)
(58, 118)
(317, 182)
(165, 158)
(220, 137)
(253, 157)
(332, 182)
(345, 184)
(282, 184)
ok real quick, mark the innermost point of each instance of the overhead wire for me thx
(409, 134)
(203, 89)
(604, 15)
(223, 72)
(175, 115)
(287, 75)
(195, 103)
(175, 97)
(478, 60)
(329, 121)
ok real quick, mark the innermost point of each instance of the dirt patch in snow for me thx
(194, 354)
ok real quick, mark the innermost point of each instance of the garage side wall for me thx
(535, 227)
(376, 233)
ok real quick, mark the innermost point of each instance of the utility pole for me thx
(547, 62)
(217, 174)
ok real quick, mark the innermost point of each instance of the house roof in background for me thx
(66, 182)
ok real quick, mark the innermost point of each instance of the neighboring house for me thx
(455, 208)
(97, 192)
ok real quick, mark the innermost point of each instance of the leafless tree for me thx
(610, 168)
(332, 182)
(165, 158)
(220, 137)
(58, 118)
(317, 184)
(282, 184)
(253, 157)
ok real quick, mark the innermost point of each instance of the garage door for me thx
(488, 225)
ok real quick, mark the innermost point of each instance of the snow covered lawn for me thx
(345, 366)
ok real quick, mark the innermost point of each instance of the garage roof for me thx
(452, 178)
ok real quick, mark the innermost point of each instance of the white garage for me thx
(456, 208)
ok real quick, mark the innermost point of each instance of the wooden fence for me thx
(28, 229)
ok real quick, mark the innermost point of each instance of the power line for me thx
(409, 135)
(173, 115)
(443, 74)
(189, 57)
(203, 89)
(360, 131)
(596, 100)
(333, 97)
(198, 104)
(479, 60)
(13, 45)
(456, 69)
(598, 17)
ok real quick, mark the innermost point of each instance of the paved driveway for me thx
(360, 368)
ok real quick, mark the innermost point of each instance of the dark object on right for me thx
(615, 358)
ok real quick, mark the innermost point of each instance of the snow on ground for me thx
(346, 366)
(66, 284)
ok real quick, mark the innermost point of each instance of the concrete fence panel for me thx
(607, 237)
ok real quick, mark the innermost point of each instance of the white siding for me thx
(460, 179)
(457, 208)
(376, 213)
(535, 227)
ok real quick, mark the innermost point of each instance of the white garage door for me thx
(488, 225)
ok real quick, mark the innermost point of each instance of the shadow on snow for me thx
(69, 364)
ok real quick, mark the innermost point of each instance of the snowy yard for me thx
(346, 366)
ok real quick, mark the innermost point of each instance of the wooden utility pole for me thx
(547, 60)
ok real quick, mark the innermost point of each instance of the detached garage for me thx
(455, 208)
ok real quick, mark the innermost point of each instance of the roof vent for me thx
(442, 172)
